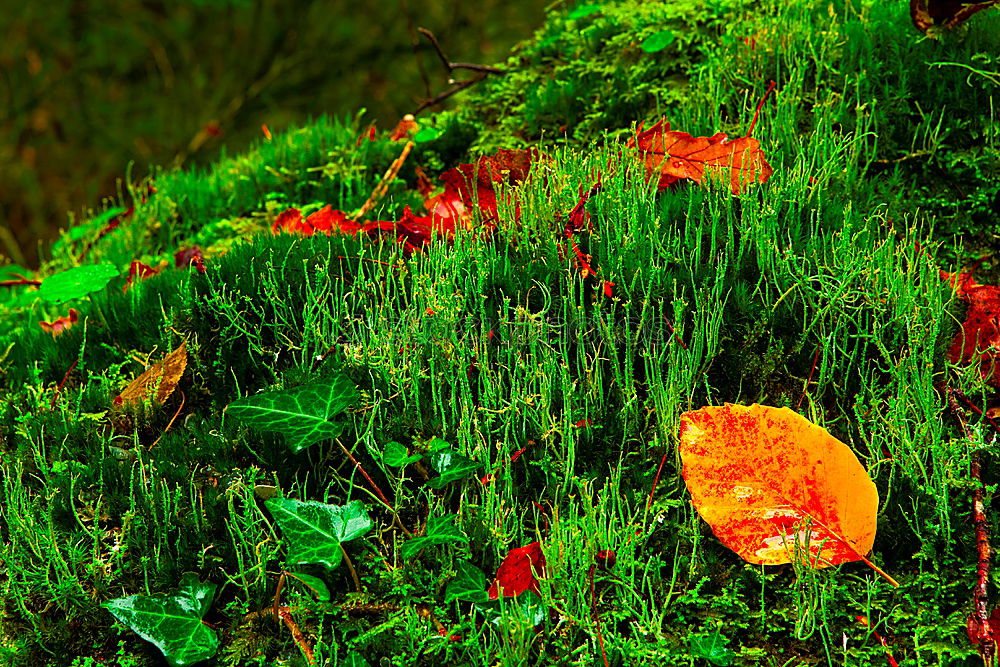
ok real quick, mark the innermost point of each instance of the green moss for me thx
(808, 291)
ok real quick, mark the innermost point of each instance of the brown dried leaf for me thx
(161, 377)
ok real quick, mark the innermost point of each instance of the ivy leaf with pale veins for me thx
(440, 530)
(172, 623)
(469, 584)
(315, 530)
(303, 414)
(452, 467)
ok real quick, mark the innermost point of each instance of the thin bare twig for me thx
(55, 396)
(441, 97)
(22, 281)
(452, 66)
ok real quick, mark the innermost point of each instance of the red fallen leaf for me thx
(518, 572)
(137, 268)
(185, 257)
(979, 339)
(403, 129)
(475, 183)
(60, 324)
(579, 218)
(944, 14)
(448, 209)
(329, 221)
(288, 220)
(972, 625)
(677, 155)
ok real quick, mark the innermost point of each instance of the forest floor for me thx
(302, 432)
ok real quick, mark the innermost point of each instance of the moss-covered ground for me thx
(818, 290)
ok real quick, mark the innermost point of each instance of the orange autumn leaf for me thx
(161, 377)
(677, 155)
(772, 484)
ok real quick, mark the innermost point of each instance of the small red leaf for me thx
(137, 268)
(60, 324)
(519, 571)
(185, 257)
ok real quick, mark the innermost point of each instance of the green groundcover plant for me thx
(456, 393)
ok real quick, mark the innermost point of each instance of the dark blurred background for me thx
(86, 86)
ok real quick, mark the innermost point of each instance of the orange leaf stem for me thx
(297, 635)
(760, 105)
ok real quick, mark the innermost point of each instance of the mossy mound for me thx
(542, 399)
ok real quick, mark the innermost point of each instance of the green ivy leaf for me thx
(315, 584)
(469, 584)
(451, 466)
(712, 648)
(440, 530)
(427, 134)
(302, 414)
(584, 11)
(658, 41)
(172, 622)
(315, 530)
(396, 456)
(526, 608)
(436, 444)
(76, 282)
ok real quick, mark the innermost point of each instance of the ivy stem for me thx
(350, 567)
(378, 491)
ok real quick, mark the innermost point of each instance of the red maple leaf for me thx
(677, 155)
(474, 184)
(979, 339)
(519, 571)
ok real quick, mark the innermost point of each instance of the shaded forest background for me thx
(89, 86)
